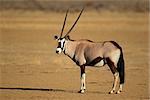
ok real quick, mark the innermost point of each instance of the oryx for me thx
(88, 53)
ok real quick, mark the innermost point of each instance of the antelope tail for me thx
(120, 67)
(120, 64)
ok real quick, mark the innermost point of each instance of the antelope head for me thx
(61, 39)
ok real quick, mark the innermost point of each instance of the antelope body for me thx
(88, 53)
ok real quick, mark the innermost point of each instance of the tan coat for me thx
(84, 51)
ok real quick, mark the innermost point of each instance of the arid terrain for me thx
(31, 70)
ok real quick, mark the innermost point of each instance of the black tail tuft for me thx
(121, 69)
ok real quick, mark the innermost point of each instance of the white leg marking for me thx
(82, 88)
(120, 88)
(116, 78)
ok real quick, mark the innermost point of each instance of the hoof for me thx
(81, 91)
(118, 92)
(112, 91)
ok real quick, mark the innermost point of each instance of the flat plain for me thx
(31, 70)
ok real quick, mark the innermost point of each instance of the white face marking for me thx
(61, 41)
(58, 50)
(60, 47)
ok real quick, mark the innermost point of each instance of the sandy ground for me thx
(30, 69)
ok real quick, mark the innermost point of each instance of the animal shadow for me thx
(46, 89)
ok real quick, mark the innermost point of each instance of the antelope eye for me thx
(55, 37)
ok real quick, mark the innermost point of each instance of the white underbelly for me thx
(101, 63)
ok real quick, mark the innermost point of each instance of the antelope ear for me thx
(67, 37)
(56, 37)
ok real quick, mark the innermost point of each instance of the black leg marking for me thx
(82, 68)
(111, 65)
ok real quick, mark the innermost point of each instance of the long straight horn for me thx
(74, 22)
(64, 24)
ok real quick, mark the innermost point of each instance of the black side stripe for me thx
(95, 61)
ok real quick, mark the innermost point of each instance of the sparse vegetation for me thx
(62, 5)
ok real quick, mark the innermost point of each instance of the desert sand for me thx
(31, 70)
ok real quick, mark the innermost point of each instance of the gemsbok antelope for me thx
(88, 53)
